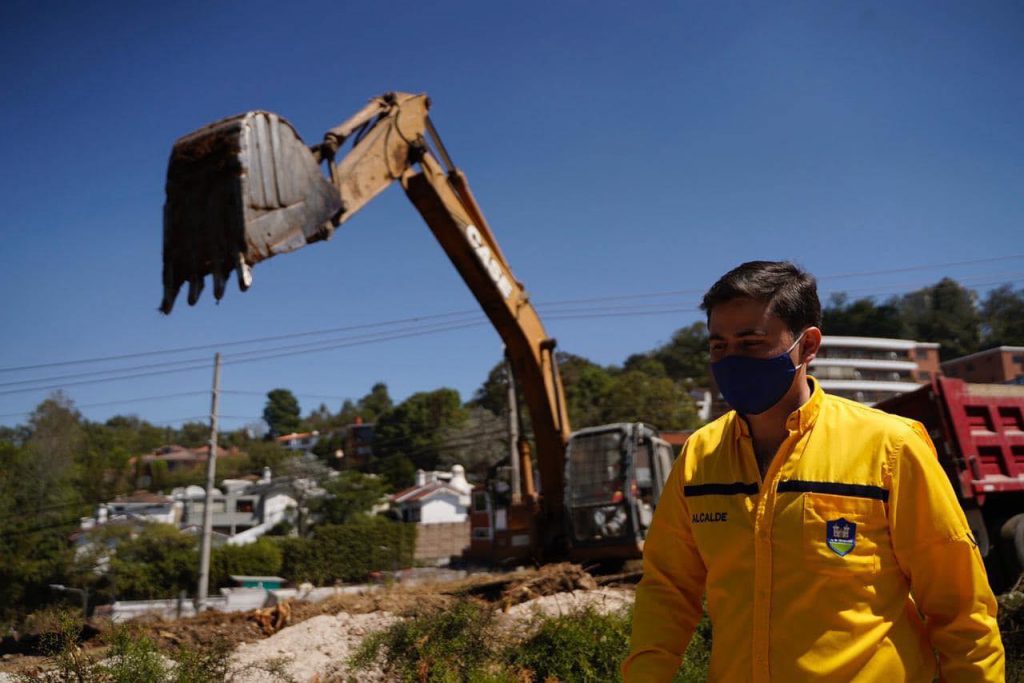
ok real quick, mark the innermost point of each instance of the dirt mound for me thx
(528, 584)
(549, 580)
(202, 629)
(315, 650)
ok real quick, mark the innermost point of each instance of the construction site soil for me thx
(311, 641)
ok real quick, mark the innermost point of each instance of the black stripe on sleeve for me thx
(851, 490)
(720, 489)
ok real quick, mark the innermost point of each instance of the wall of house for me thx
(443, 508)
(275, 508)
(437, 543)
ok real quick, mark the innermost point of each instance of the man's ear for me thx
(810, 344)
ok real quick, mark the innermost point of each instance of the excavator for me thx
(247, 188)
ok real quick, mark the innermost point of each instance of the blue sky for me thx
(617, 149)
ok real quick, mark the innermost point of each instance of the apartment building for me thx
(1003, 364)
(872, 369)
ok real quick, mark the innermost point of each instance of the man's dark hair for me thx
(791, 293)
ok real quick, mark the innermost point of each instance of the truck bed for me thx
(978, 430)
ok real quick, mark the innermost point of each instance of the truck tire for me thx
(1012, 530)
(1018, 544)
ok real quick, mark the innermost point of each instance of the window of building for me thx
(1018, 359)
(244, 505)
(479, 502)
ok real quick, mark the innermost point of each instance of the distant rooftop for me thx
(995, 349)
(875, 342)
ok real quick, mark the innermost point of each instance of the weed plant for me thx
(464, 644)
(133, 657)
(445, 646)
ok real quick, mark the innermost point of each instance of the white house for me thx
(242, 510)
(437, 498)
(300, 442)
(141, 506)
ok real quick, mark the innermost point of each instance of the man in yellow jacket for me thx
(825, 534)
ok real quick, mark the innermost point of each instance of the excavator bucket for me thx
(240, 191)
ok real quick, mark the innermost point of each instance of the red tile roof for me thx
(417, 493)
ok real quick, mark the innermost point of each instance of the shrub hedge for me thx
(348, 552)
(262, 558)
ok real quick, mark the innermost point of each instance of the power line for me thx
(205, 361)
(974, 281)
(240, 342)
(932, 266)
(139, 399)
(259, 354)
(475, 312)
(205, 364)
(328, 345)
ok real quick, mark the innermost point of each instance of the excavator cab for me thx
(615, 476)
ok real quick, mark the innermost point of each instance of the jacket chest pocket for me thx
(844, 534)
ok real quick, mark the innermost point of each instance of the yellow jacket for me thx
(809, 577)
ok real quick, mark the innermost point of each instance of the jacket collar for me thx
(800, 420)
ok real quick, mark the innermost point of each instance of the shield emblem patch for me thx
(840, 536)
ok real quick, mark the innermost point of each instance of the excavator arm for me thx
(246, 188)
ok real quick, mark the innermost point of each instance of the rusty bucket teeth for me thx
(195, 288)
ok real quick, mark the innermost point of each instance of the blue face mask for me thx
(753, 385)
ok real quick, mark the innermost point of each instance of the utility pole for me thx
(211, 471)
(513, 435)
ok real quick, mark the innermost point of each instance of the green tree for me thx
(685, 356)
(397, 470)
(193, 434)
(493, 393)
(41, 503)
(281, 413)
(266, 454)
(587, 389)
(103, 461)
(1002, 313)
(477, 443)
(350, 494)
(158, 563)
(57, 437)
(376, 403)
(36, 515)
(415, 427)
(639, 397)
(863, 317)
(944, 313)
(320, 419)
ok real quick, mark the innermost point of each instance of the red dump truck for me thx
(978, 430)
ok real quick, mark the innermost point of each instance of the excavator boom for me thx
(247, 188)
